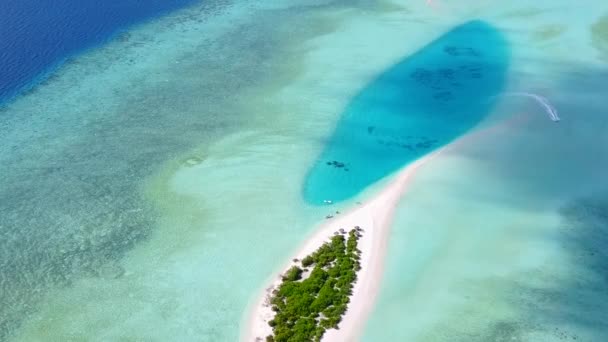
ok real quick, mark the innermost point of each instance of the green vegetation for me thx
(305, 308)
(293, 274)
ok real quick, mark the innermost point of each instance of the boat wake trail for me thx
(542, 101)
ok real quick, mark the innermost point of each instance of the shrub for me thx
(293, 274)
(307, 261)
(298, 304)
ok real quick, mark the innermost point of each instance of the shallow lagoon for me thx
(418, 105)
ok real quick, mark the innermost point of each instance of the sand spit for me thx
(374, 216)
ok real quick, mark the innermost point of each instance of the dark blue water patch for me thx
(421, 103)
(574, 307)
(37, 36)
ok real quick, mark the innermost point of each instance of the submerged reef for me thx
(572, 303)
(308, 302)
(599, 36)
(421, 103)
(548, 32)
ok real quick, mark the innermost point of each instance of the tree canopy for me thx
(306, 308)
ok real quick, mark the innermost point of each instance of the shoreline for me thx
(375, 217)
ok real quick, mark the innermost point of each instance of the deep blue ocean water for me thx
(37, 36)
(421, 103)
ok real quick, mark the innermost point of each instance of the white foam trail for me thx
(542, 101)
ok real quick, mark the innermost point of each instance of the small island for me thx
(328, 289)
(314, 293)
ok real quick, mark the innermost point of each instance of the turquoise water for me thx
(150, 188)
(515, 248)
(420, 104)
(503, 236)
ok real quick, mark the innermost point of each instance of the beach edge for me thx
(375, 217)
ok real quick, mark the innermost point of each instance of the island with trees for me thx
(314, 293)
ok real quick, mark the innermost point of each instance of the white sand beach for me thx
(374, 217)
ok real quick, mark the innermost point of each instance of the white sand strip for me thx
(375, 217)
